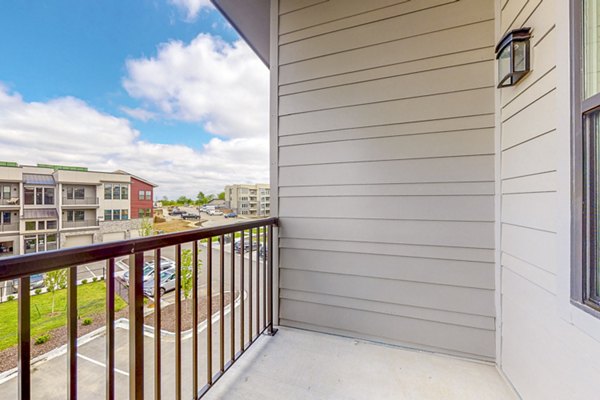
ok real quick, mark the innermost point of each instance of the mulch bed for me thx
(58, 336)
(167, 314)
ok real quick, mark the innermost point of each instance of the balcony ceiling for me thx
(251, 19)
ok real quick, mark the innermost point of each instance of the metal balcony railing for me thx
(84, 201)
(80, 224)
(259, 290)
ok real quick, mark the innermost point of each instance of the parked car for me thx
(231, 215)
(215, 212)
(148, 272)
(187, 215)
(36, 281)
(167, 283)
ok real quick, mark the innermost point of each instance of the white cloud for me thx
(139, 113)
(191, 7)
(68, 131)
(223, 86)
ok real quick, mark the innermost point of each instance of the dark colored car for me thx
(231, 215)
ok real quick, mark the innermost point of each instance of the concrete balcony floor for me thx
(296, 364)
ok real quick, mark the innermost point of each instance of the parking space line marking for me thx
(101, 364)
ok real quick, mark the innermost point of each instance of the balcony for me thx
(14, 227)
(86, 201)
(14, 202)
(80, 224)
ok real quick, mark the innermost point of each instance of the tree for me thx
(183, 200)
(187, 273)
(55, 280)
(147, 227)
(222, 196)
(204, 199)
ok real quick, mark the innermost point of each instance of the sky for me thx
(163, 89)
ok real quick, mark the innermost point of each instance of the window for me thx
(48, 195)
(51, 225)
(39, 196)
(30, 225)
(586, 147)
(75, 193)
(141, 213)
(6, 218)
(51, 242)
(148, 195)
(30, 244)
(124, 192)
(124, 214)
(116, 192)
(75, 215)
(41, 225)
(107, 191)
(141, 195)
(116, 215)
(6, 192)
(108, 215)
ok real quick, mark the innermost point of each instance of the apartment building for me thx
(45, 207)
(142, 204)
(249, 199)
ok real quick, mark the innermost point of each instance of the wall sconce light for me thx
(513, 57)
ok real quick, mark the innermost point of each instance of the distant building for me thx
(249, 199)
(45, 207)
(142, 198)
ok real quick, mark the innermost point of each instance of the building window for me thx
(124, 193)
(107, 191)
(116, 192)
(30, 225)
(6, 218)
(116, 215)
(41, 225)
(51, 225)
(30, 244)
(148, 195)
(124, 215)
(6, 192)
(51, 242)
(586, 147)
(39, 196)
(75, 193)
(141, 195)
(75, 215)
(108, 215)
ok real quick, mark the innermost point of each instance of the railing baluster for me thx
(232, 299)
(242, 288)
(24, 339)
(209, 353)
(258, 281)
(270, 250)
(264, 262)
(195, 319)
(251, 284)
(178, 322)
(222, 304)
(136, 322)
(157, 327)
(72, 333)
(110, 328)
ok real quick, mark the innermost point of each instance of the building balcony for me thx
(88, 223)
(14, 227)
(13, 203)
(237, 355)
(87, 201)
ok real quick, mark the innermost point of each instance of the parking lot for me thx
(49, 373)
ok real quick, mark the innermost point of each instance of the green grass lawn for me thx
(91, 299)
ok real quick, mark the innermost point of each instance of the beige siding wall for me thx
(544, 354)
(386, 171)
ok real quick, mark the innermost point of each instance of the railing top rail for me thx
(36, 263)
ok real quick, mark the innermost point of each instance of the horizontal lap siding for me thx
(543, 356)
(386, 171)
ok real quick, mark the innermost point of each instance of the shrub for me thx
(102, 278)
(63, 286)
(38, 291)
(42, 339)
(87, 321)
(83, 282)
(10, 298)
(94, 279)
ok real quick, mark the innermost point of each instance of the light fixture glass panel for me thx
(591, 49)
(520, 56)
(504, 63)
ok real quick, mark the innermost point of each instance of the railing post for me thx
(109, 280)
(136, 321)
(72, 332)
(271, 331)
(24, 340)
